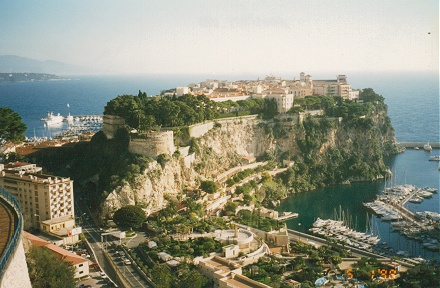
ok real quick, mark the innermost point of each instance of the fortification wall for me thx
(111, 124)
(152, 144)
(198, 130)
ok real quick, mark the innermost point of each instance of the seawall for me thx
(435, 145)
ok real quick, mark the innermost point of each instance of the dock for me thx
(287, 216)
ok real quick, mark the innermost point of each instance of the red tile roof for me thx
(60, 252)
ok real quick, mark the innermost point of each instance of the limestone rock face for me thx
(149, 188)
(223, 146)
(218, 150)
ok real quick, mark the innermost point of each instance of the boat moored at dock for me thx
(52, 119)
(427, 147)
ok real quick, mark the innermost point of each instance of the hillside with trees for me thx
(143, 112)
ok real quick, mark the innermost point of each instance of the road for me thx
(93, 234)
(129, 271)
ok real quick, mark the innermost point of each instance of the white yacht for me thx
(427, 147)
(52, 119)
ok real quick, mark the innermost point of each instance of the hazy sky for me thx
(225, 37)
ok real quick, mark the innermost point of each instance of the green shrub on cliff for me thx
(208, 186)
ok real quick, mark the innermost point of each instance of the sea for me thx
(413, 106)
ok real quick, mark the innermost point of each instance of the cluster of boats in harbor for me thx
(51, 119)
(399, 195)
(418, 226)
(76, 124)
(338, 231)
(74, 130)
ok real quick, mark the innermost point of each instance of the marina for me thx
(52, 119)
(419, 226)
(337, 230)
(68, 128)
(413, 167)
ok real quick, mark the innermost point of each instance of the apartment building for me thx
(335, 87)
(42, 198)
(282, 96)
(180, 91)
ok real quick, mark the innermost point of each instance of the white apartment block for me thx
(335, 87)
(282, 96)
(41, 197)
(180, 91)
(284, 101)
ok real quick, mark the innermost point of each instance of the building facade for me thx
(41, 197)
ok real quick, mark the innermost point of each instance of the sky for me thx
(225, 37)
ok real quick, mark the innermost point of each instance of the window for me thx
(80, 265)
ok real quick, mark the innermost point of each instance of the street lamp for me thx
(299, 233)
(80, 218)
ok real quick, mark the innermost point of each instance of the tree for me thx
(191, 279)
(11, 126)
(47, 270)
(424, 275)
(208, 186)
(269, 109)
(130, 216)
(161, 276)
(231, 206)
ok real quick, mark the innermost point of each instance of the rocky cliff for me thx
(319, 146)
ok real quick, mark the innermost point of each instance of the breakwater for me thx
(418, 144)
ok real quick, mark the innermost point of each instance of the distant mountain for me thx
(28, 77)
(17, 64)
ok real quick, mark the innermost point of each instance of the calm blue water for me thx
(412, 99)
(413, 105)
(87, 95)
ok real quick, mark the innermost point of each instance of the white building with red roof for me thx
(81, 264)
